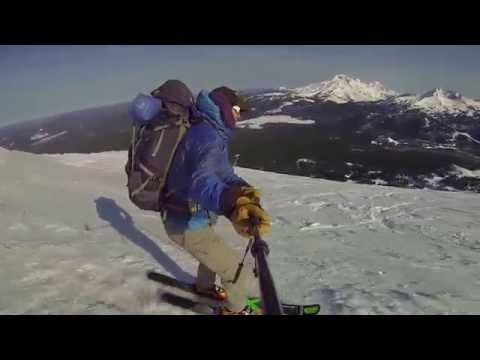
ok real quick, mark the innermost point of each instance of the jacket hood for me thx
(213, 113)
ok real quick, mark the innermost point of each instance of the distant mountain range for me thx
(343, 89)
(341, 129)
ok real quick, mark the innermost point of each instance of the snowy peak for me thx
(342, 89)
(441, 94)
(445, 101)
(345, 89)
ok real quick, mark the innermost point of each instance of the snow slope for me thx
(73, 244)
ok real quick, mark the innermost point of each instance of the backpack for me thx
(158, 128)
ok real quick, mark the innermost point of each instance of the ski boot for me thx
(215, 292)
(253, 307)
(223, 310)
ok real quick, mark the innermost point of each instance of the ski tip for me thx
(311, 309)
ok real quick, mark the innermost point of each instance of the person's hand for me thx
(245, 209)
(251, 193)
(237, 192)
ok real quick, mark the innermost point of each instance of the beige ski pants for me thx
(217, 258)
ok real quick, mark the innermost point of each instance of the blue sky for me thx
(39, 81)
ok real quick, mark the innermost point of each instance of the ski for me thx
(207, 308)
(196, 306)
(170, 281)
(192, 300)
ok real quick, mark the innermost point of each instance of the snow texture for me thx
(306, 161)
(462, 172)
(47, 138)
(380, 182)
(258, 123)
(393, 141)
(447, 147)
(38, 136)
(459, 133)
(273, 94)
(72, 243)
(279, 109)
(434, 180)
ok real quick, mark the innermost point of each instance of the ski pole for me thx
(240, 265)
(270, 303)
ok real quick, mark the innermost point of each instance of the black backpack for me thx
(154, 143)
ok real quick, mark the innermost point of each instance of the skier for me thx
(204, 186)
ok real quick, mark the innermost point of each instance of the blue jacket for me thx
(201, 169)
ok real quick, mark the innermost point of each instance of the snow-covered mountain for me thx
(355, 249)
(440, 101)
(342, 89)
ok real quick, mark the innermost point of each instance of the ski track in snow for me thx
(356, 249)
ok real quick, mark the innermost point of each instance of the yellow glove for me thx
(245, 209)
(251, 193)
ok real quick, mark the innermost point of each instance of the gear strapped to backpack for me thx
(159, 124)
